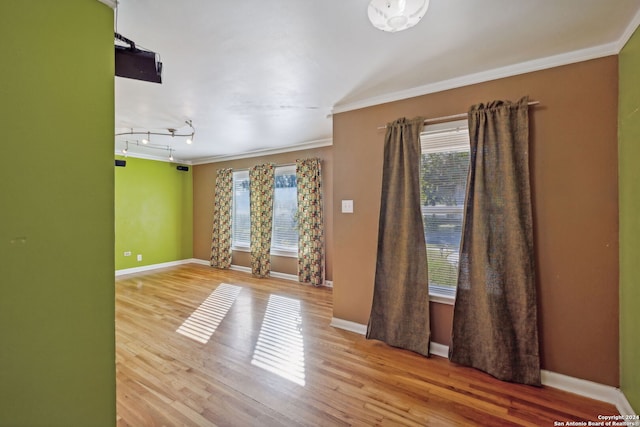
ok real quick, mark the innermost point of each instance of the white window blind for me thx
(285, 208)
(443, 178)
(241, 226)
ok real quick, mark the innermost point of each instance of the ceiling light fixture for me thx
(396, 15)
(145, 142)
(170, 132)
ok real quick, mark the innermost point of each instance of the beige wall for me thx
(204, 178)
(574, 182)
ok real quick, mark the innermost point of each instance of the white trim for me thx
(284, 276)
(578, 386)
(240, 268)
(438, 349)
(152, 157)
(266, 152)
(628, 32)
(348, 325)
(284, 253)
(152, 267)
(442, 299)
(274, 252)
(358, 328)
(485, 76)
(111, 3)
(273, 274)
(623, 405)
(590, 389)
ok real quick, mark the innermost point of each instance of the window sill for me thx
(275, 252)
(283, 253)
(442, 294)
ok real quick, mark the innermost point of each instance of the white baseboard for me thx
(623, 405)
(434, 348)
(347, 325)
(285, 276)
(590, 389)
(578, 386)
(438, 349)
(153, 267)
(240, 268)
(274, 274)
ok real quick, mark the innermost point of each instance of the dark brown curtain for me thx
(400, 311)
(494, 322)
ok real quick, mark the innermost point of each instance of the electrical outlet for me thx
(139, 257)
(347, 206)
(127, 253)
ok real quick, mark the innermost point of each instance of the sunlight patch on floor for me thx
(280, 346)
(204, 321)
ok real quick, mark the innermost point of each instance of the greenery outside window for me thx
(241, 227)
(284, 239)
(443, 180)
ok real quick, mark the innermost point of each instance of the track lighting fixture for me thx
(146, 141)
(170, 132)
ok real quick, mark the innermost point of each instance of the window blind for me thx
(285, 208)
(443, 177)
(241, 226)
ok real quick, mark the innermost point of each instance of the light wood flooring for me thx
(260, 352)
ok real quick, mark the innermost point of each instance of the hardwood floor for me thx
(260, 352)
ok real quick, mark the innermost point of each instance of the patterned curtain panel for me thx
(310, 222)
(261, 188)
(400, 311)
(222, 211)
(495, 327)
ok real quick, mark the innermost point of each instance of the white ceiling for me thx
(266, 75)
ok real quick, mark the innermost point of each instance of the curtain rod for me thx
(455, 116)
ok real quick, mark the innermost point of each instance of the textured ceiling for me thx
(266, 75)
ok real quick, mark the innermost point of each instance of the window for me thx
(241, 227)
(284, 240)
(443, 181)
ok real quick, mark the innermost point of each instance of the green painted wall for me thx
(154, 213)
(629, 176)
(57, 345)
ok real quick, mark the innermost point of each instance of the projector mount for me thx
(134, 63)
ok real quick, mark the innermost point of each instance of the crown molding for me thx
(111, 3)
(628, 32)
(485, 76)
(151, 157)
(266, 152)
